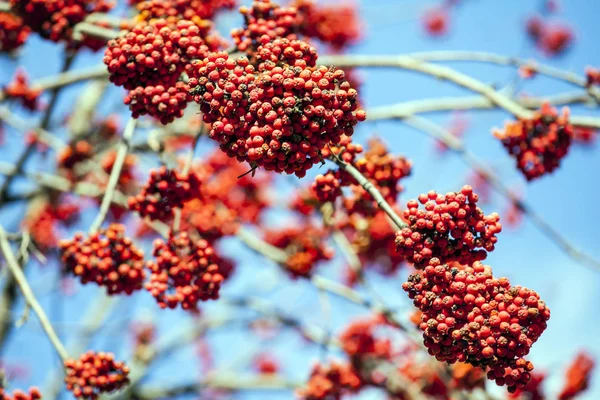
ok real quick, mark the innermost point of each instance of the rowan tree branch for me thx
(30, 298)
(437, 71)
(372, 190)
(114, 175)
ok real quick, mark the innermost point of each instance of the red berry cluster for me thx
(75, 153)
(450, 228)
(337, 25)
(306, 245)
(533, 390)
(149, 60)
(327, 187)
(538, 144)
(470, 316)
(593, 76)
(43, 223)
(55, 19)
(264, 18)
(374, 241)
(13, 32)
(186, 9)
(19, 89)
(245, 195)
(345, 149)
(107, 258)
(382, 169)
(579, 374)
(164, 103)
(331, 381)
(467, 377)
(282, 52)
(552, 39)
(210, 218)
(153, 53)
(165, 190)
(32, 394)
(358, 340)
(185, 272)
(94, 374)
(279, 118)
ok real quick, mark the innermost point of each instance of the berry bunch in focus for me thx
(450, 228)
(94, 374)
(165, 190)
(279, 118)
(107, 258)
(149, 60)
(185, 272)
(470, 316)
(538, 144)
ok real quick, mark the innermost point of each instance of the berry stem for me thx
(372, 190)
(30, 298)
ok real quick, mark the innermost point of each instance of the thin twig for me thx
(15, 269)
(372, 190)
(230, 382)
(114, 175)
(30, 149)
(438, 71)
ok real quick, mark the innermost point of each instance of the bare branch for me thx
(114, 175)
(437, 71)
(16, 271)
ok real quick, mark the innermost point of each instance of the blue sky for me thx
(567, 199)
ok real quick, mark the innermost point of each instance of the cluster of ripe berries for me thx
(378, 165)
(186, 9)
(337, 26)
(13, 32)
(165, 190)
(94, 374)
(450, 228)
(32, 394)
(306, 245)
(20, 90)
(56, 19)
(331, 381)
(552, 39)
(108, 258)
(185, 272)
(538, 144)
(578, 376)
(468, 315)
(149, 60)
(277, 116)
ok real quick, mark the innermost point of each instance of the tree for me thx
(247, 189)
